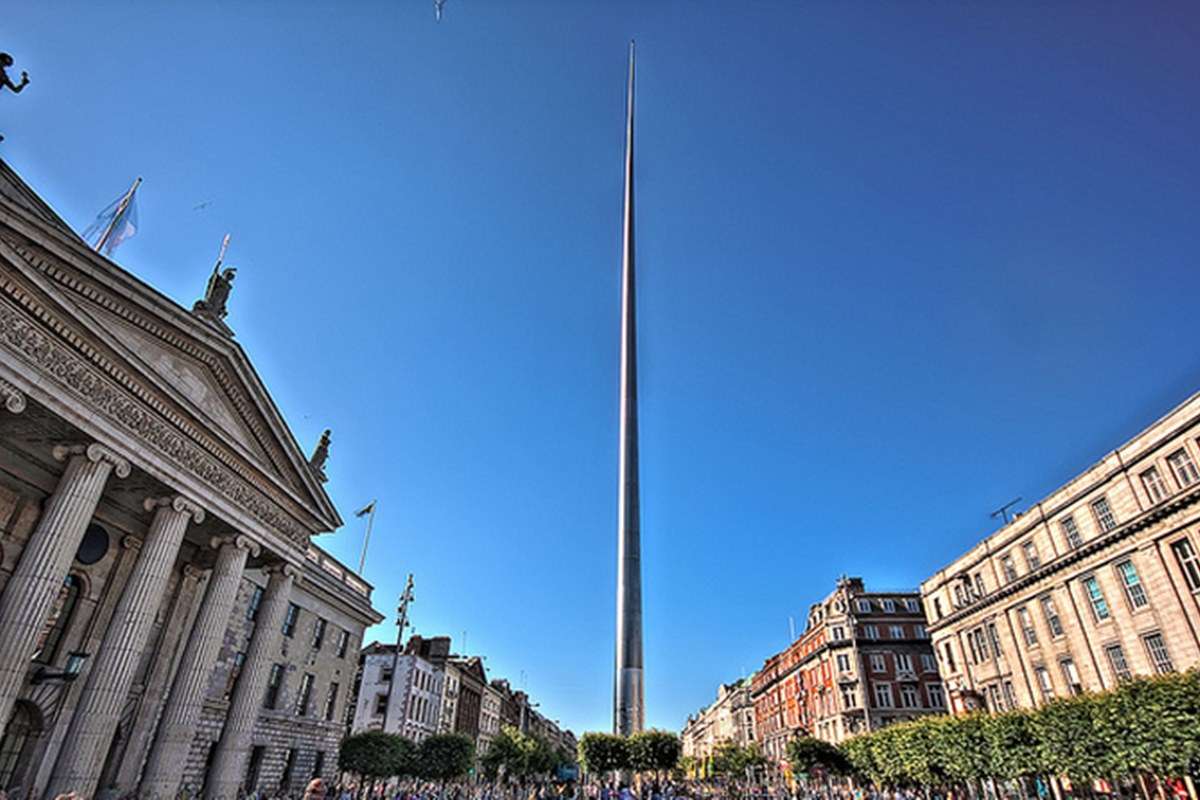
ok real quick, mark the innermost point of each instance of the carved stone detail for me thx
(178, 502)
(14, 399)
(95, 453)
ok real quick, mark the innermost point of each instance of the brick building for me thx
(1097, 582)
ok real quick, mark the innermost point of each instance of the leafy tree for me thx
(807, 755)
(732, 761)
(376, 754)
(506, 751)
(445, 757)
(654, 751)
(603, 752)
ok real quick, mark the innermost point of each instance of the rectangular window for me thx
(843, 662)
(871, 631)
(889, 606)
(959, 598)
(318, 633)
(1033, 559)
(980, 586)
(343, 642)
(302, 700)
(903, 662)
(937, 608)
(948, 649)
(289, 765)
(1159, 657)
(1071, 676)
(994, 639)
(1134, 591)
(896, 631)
(1009, 568)
(839, 634)
(1096, 598)
(273, 684)
(909, 697)
(255, 601)
(1189, 563)
(381, 704)
(1152, 482)
(1071, 532)
(289, 621)
(849, 697)
(1183, 468)
(1116, 660)
(911, 605)
(254, 767)
(331, 700)
(1027, 629)
(927, 663)
(1010, 696)
(919, 632)
(878, 664)
(1050, 611)
(1044, 683)
(864, 606)
(883, 695)
(934, 692)
(1104, 515)
(319, 764)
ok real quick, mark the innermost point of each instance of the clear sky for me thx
(899, 264)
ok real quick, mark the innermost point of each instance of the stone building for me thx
(863, 662)
(401, 694)
(166, 618)
(730, 718)
(489, 717)
(1098, 582)
(471, 680)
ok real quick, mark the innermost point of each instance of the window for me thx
(381, 704)
(1116, 660)
(927, 663)
(903, 662)
(1134, 591)
(1154, 485)
(1104, 515)
(1184, 469)
(883, 695)
(343, 642)
(1050, 611)
(318, 633)
(896, 631)
(871, 631)
(1027, 630)
(273, 684)
(1010, 696)
(255, 601)
(319, 764)
(980, 586)
(889, 606)
(839, 633)
(1096, 598)
(863, 606)
(911, 605)
(1009, 568)
(959, 598)
(849, 697)
(254, 767)
(948, 649)
(878, 664)
(1157, 648)
(1044, 682)
(385, 673)
(995, 702)
(234, 671)
(843, 662)
(919, 632)
(934, 692)
(61, 614)
(994, 639)
(302, 700)
(909, 697)
(289, 765)
(1185, 554)
(331, 700)
(980, 645)
(1033, 559)
(1071, 676)
(289, 622)
(937, 607)
(1071, 532)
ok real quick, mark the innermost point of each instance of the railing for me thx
(335, 570)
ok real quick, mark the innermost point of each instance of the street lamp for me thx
(70, 671)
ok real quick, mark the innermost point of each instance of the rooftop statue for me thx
(320, 456)
(6, 61)
(216, 294)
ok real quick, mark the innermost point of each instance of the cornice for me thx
(1070, 558)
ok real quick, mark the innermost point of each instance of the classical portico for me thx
(145, 473)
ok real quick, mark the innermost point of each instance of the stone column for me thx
(177, 726)
(229, 763)
(111, 672)
(37, 579)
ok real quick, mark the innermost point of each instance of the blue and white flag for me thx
(115, 224)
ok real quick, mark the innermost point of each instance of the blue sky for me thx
(899, 263)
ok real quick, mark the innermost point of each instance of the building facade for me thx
(1098, 582)
(166, 618)
(863, 662)
(730, 718)
(401, 693)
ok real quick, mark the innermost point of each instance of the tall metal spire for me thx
(629, 713)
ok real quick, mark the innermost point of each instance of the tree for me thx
(654, 751)
(376, 754)
(732, 761)
(506, 751)
(603, 752)
(446, 757)
(807, 755)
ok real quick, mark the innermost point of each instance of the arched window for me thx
(60, 617)
(18, 735)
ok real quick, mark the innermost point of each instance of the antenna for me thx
(792, 628)
(1002, 511)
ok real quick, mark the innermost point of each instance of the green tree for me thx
(603, 752)
(731, 761)
(654, 751)
(507, 752)
(445, 757)
(807, 755)
(376, 754)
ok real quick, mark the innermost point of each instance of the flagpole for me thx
(362, 560)
(116, 216)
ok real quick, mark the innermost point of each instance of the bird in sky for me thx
(437, 9)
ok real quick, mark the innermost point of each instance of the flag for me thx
(367, 509)
(115, 224)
